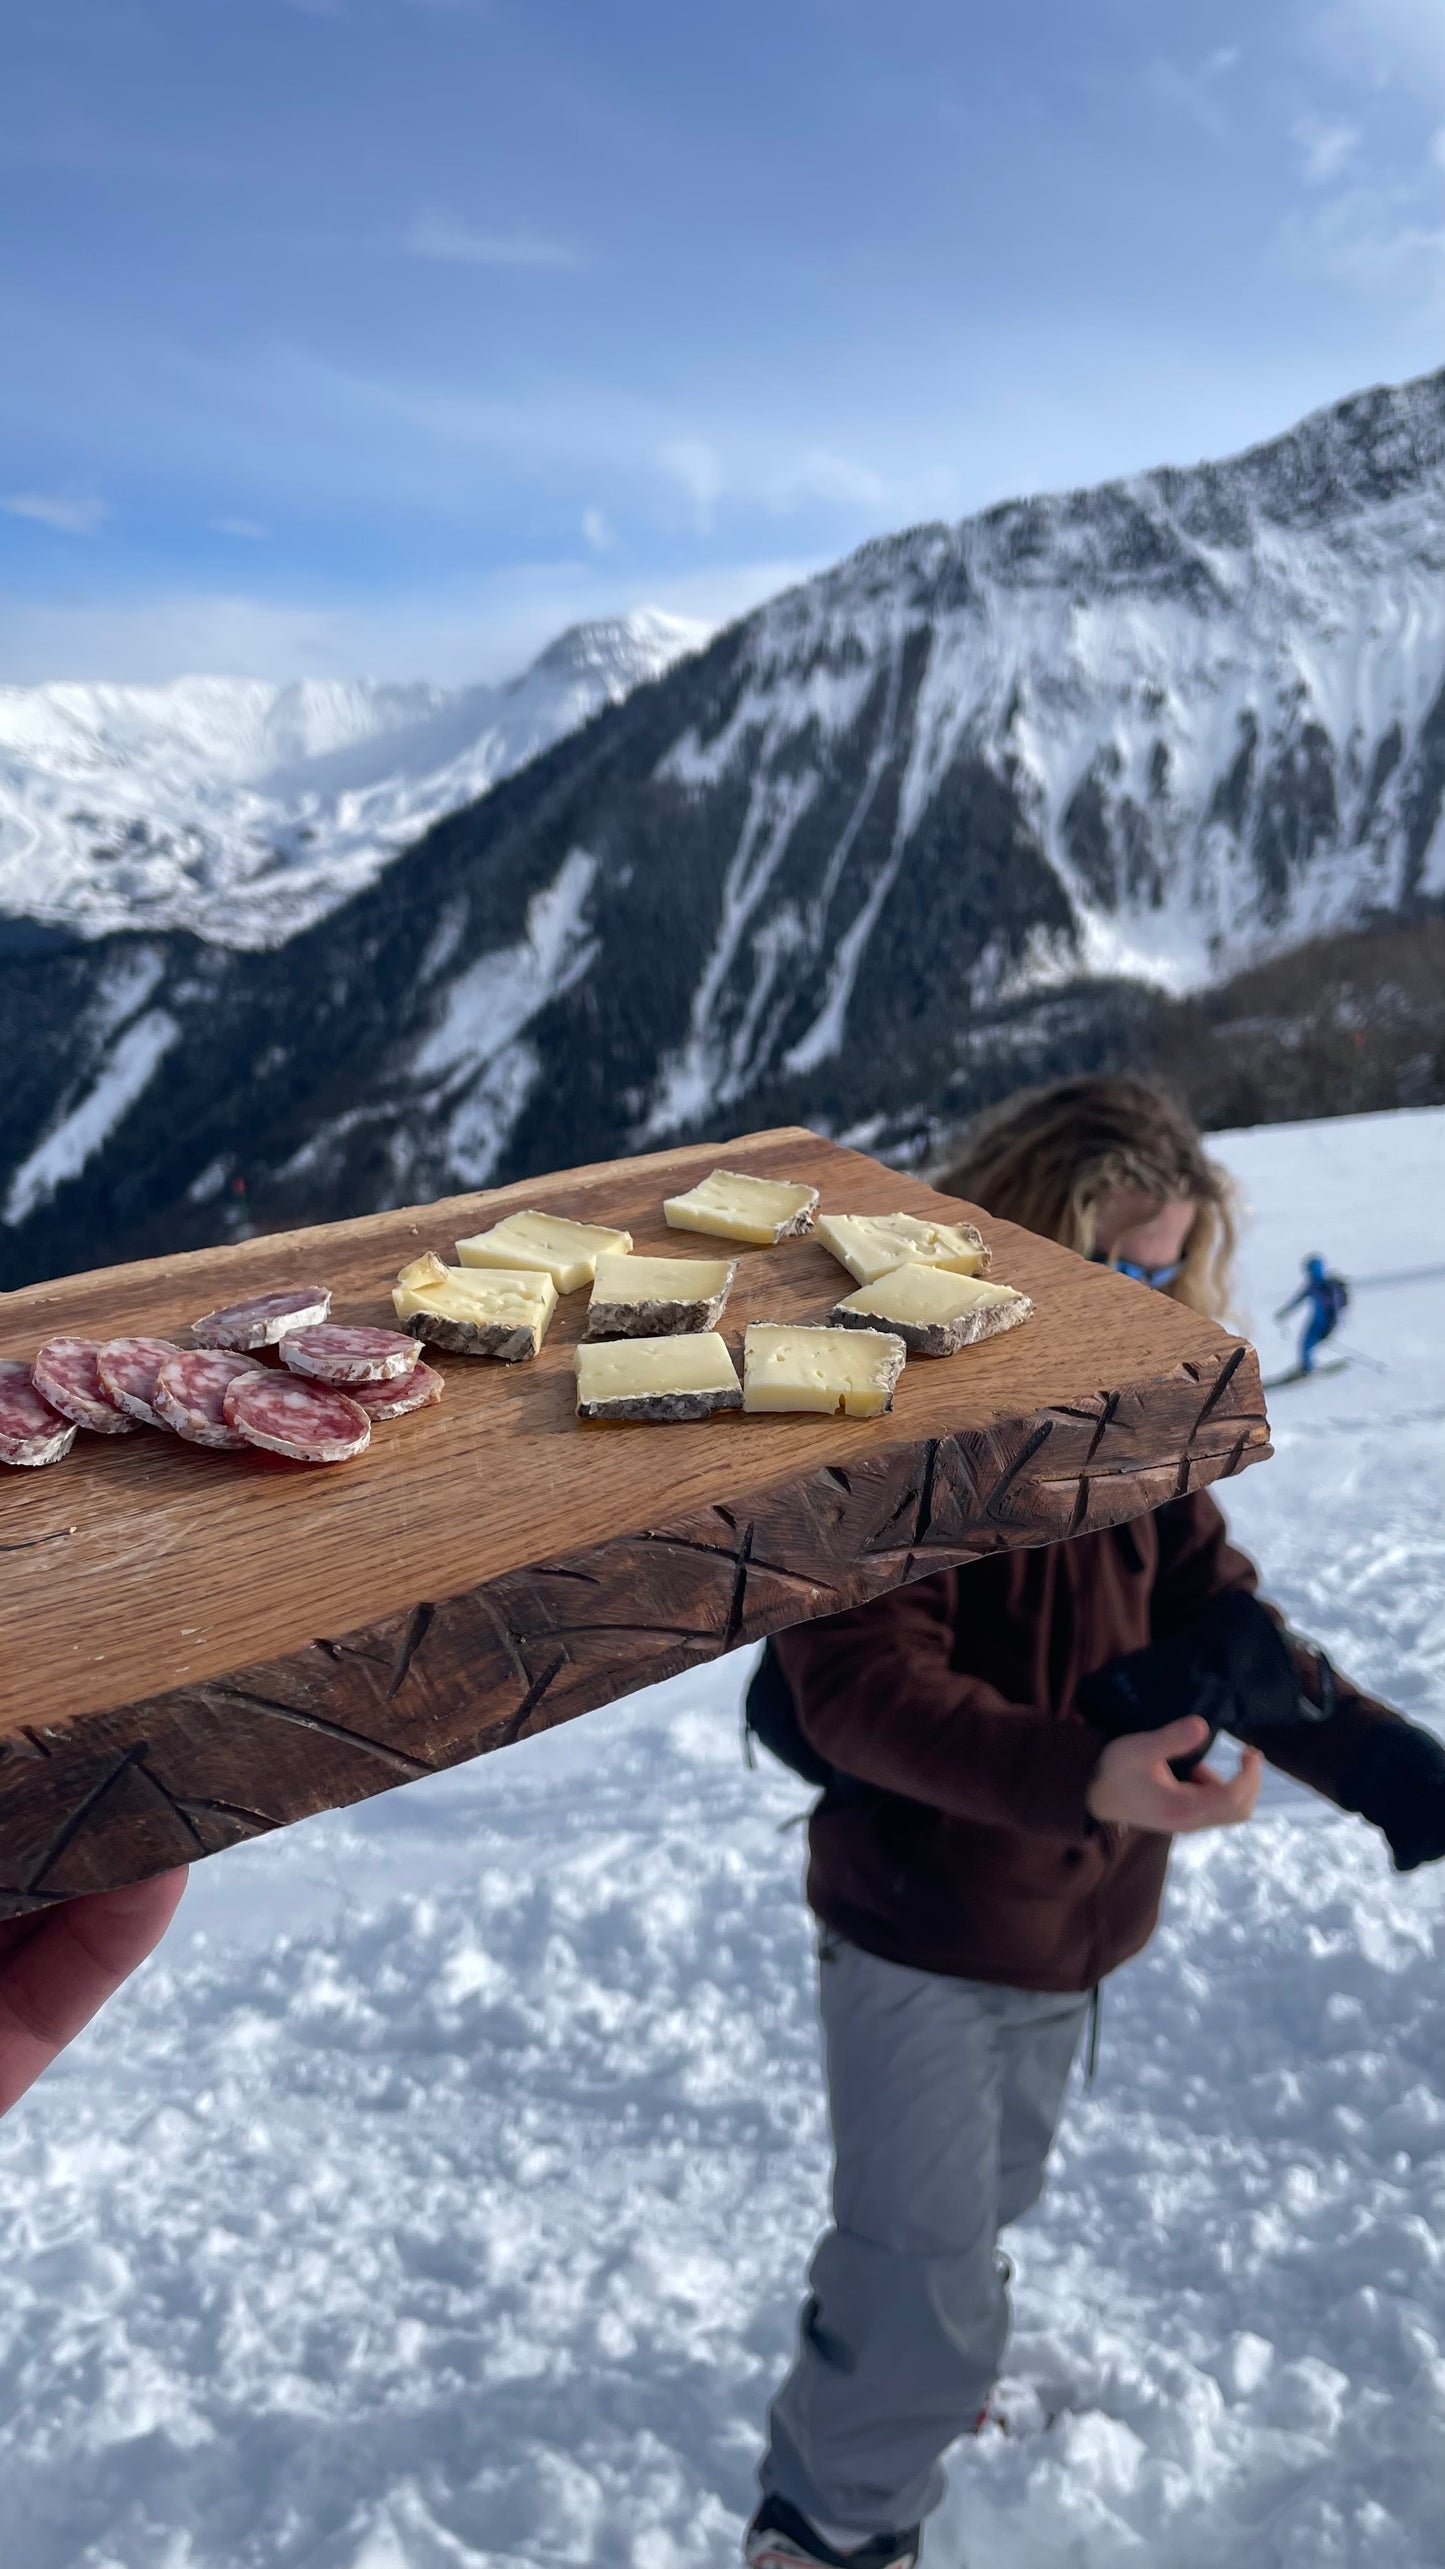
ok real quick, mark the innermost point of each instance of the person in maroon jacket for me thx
(1012, 1747)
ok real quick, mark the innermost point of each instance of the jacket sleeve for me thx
(877, 1695)
(1197, 1562)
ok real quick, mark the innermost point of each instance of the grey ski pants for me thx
(944, 2096)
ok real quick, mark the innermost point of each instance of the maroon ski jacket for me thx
(956, 1695)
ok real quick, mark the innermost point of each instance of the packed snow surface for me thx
(440, 2197)
(245, 811)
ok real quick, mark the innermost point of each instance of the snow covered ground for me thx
(439, 2198)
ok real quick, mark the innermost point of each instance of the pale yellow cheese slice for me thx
(758, 1210)
(425, 1270)
(827, 1370)
(621, 1278)
(869, 1244)
(670, 1379)
(934, 1311)
(502, 1312)
(653, 1297)
(568, 1251)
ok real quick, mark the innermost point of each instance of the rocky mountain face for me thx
(245, 811)
(984, 802)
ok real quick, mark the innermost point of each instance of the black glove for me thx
(1398, 1782)
(1232, 1667)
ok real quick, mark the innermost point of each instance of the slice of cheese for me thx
(657, 1297)
(933, 1311)
(871, 1244)
(500, 1313)
(820, 1369)
(759, 1210)
(427, 1269)
(567, 1251)
(666, 1380)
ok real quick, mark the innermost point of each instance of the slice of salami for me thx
(263, 1317)
(416, 1390)
(31, 1432)
(309, 1422)
(335, 1353)
(65, 1372)
(190, 1393)
(128, 1368)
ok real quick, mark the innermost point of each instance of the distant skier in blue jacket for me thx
(1324, 1297)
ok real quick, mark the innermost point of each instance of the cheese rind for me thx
(666, 1380)
(819, 1369)
(731, 1206)
(657, 1297)
(567, 1251)
(870, 1245)
(933, 1311)
(501, 1313)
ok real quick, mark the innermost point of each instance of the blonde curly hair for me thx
(1047, 1157)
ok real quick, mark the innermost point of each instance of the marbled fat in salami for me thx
(31, 1432)
(334, 1352)
(308, 1422)
(190, 1393)
(416, 1390)
(128, 1368)
(263, 1317)
(65, 1372)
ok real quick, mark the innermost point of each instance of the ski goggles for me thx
(1158, 1277)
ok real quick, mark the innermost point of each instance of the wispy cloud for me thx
(438, 236)
(597, 530)
(1381, 241)
(246, 530)
(696, 469)
(1385, 40)
(821, 475)
(1196, 90)
(68, 512)
(1326, 150)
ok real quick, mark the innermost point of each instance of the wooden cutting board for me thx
(196, 1646)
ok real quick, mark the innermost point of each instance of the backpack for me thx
(1336, 1296)
(771, 1717)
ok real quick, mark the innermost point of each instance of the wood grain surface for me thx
(197, 1646)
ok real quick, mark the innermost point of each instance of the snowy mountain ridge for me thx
(1213, 699)
(244, 810)
(960, 813)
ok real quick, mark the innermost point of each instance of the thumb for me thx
(1176, 1738)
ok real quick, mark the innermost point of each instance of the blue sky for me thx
(391, 335)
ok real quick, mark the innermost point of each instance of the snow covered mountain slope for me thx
(440, 2197)
(959, 813)
(244, 811)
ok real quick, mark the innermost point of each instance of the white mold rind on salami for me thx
(263, 1318)
(128, 1368)
(307, 1422)
(333, 1352)
(191, 1392)
(65, 1372)
(31, 1432)
(416, 1390)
